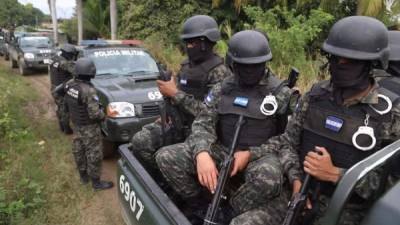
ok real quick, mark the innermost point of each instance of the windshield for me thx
(38, 42)
(123, 62)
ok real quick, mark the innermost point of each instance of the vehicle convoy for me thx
(30, 51)
(125, 83)
(143, 202)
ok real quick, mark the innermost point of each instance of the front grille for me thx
(150, 110)
(44, 55)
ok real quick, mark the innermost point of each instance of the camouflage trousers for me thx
(146, 142)
(88, 149)
(61, 112)
(271, 213)
(262, 178)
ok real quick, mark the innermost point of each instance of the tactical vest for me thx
(77, 109)
(194, 80)
(58, 75)
(332, 126)
(257, 129)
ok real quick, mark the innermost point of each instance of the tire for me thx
(13, 63)
(109, 148)
(22, 68)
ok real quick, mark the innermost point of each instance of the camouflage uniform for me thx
(263, 176)
(147, 141)
(87, 145)
(67, 67)
(291, 141)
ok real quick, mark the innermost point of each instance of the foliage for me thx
(14, 13)
(290, 35)
(162, 18)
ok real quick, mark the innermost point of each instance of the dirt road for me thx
(103, 208)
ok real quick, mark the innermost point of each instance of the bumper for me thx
(122, 129)
(35, 64)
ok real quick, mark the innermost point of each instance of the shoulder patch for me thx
(56, 64)
(209, 99)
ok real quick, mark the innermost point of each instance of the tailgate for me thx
(142, 201)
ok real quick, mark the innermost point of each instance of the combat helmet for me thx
(201, 26)
(249, 47)
(68, 51)
(360, 38)
(85, 69)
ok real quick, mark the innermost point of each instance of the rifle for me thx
(223, 177)
(296, 205)
(168, 110)
(290, 83)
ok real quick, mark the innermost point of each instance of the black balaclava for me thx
(349, 78)
(202, 49)
(249, 75)
(394, 68)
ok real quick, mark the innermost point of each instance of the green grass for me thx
(38, 182)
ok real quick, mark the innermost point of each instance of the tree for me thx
(80, 20)
(113, 19)
(53, 12)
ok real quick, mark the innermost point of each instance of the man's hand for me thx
(319, 165)
(296, 189)
(207, 171)
(167, 88)
(241, 159)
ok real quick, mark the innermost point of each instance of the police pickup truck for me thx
(125, 83)
(30, 51)
(143, 202)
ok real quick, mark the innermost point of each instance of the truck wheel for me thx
(13, 63)
(109, 148)
(22, 68)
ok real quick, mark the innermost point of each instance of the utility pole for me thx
(79, 17)
(113, 18)
(53, 12)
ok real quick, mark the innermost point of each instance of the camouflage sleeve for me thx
(189, 103)
(370, 183)
(93, 106)
(68, 66)
(286, 145)
(203, 133)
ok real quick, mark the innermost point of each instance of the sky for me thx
(65, 8)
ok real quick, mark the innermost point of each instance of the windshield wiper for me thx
(139, 72)
(106, 75)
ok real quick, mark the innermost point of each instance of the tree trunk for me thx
(53, 12)
(79, 17)
(113, 18)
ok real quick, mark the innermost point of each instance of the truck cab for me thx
(125, 83)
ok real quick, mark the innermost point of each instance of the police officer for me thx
(197, 75)
(85, 112)
(390, 79)
(345, 119)
(253, 92)
(61, 70)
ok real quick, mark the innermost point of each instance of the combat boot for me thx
(84, 177)
(98, 184)
(68, 130)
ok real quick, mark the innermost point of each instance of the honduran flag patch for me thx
(334, 123)
(241, 101)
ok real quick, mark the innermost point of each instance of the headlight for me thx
(120, 109)
(29, 56)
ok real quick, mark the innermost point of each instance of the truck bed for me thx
(142, 200)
